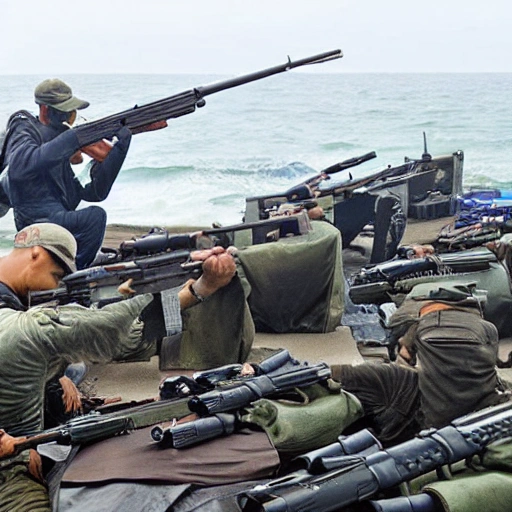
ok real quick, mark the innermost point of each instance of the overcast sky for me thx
(235, 36)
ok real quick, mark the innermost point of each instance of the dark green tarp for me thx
(296, 284)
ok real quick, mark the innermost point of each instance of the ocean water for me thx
(269, 135)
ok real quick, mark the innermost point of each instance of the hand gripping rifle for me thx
(183, 103)
(356, 477)
(100, 284)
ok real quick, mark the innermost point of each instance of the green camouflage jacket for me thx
(34, 345)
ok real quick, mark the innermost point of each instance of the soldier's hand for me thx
(218, 269)
(71, 397)
(8, 444)
(126, 288)
(98, 150)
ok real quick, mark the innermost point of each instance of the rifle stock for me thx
(77, 431)
(182, 103)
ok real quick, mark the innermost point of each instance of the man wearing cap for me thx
(35, 342)
(41, 185)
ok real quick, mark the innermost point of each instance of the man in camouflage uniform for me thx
(35, 342)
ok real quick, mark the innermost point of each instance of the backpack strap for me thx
(5, 202)
(19, 114)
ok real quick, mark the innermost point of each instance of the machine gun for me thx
(100, 284)
(356, 477)
(241, 392)
(176, 395)
(228, 391)
(374, 283)
(182, 103)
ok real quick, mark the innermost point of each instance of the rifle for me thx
(96, 426)
(241, 392)
(182, 103)
(359, 477)
(160, 240)
(301, 194)
(340, 166)
(159, 261)
(100, 284)
(227, 391)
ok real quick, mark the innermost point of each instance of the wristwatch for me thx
(196, 295)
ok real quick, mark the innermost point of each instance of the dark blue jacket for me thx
(41, 181)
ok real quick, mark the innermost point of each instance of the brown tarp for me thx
(245, 455)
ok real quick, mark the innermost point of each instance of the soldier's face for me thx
(46, 272)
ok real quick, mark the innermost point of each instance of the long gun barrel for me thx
(182, 103)
(160, 240)
(338, 167)
(358, 478)
(245, 391)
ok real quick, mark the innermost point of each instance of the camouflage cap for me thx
(52, 237)
(57, 94)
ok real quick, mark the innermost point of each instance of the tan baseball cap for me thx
(52, 237)
(57, 94)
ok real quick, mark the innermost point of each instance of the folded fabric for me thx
(490, 492)
(308, 419)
